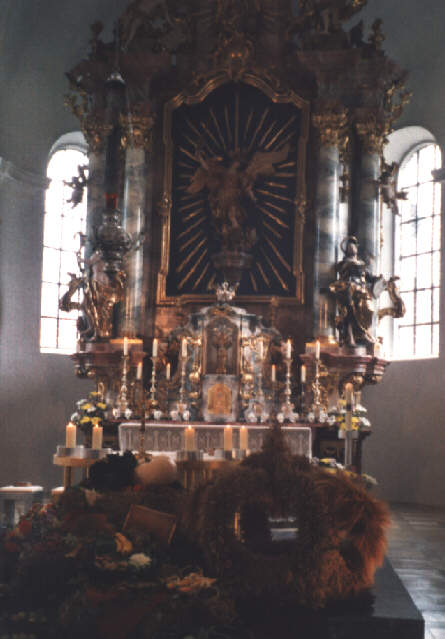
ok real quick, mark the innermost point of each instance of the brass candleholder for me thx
(287, 408)
(122, 408)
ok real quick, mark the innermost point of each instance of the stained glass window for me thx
(61, 228)
(417, 255)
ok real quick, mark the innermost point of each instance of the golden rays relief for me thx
(234, 189)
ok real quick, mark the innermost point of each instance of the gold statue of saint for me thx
(220, 399)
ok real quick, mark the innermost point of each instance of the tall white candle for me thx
(288, 349)
(317, 349)
(154, 350)
(97, 437)
(303, 374)
(167, 371)
(184, 347)
(125, 346)
(244, 438)
(273, 373)
(139, 371)
(228, 445)
(71, 432)
(189, 435)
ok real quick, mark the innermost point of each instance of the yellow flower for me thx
(86, 406)
(85, 420)
(101, 405)
(95, 420)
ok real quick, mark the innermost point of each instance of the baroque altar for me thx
(236, 149)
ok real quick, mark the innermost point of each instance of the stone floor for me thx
(417, 553)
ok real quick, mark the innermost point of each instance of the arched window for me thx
(417, 246)
(61, 228)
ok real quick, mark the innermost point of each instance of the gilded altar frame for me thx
(195, 97)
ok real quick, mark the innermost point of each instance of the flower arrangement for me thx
(90, 412)
(360, 421)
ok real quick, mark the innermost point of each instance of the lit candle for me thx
(139, 371)
(125, 346)
(71, 431)
(261, 348)
(303, 374)
(273, 374)
(228, 438)
(184, 347)
(97, 437)
(189, 434)
(244, 438)
(167, 371)
(154, 350)
(317, 349)
(288, 349)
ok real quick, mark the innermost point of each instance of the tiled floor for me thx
(417, 553)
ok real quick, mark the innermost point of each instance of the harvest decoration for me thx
(90, 412)
(339, 543)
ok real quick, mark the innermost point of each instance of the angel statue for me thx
(229, 181)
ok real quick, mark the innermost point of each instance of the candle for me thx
(154, 350)
(184, 347)
(261, 348)
(303, 374)
(228, 438)
(189, 434)
(139, 371)
(243, 438)
(125, 346)
(288, 349)
(273, 374)
(325, 314)
(97, 436)
(167, 371)
(70, 435)
(349, 388)
(317, 349)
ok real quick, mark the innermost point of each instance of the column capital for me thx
(372, 134)
(331, 126)
(137, 129)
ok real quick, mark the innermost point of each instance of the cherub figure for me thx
(78, 184)
(388, 187)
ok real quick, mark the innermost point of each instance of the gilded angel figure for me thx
(229, 181)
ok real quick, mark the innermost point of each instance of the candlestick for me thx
(139, 372)
(154, 350)
(190, 442)
(273, 374)
(228, 438)
(261, 348)
(303, 374)
(167, 371)
(317, 349)
(243, 438)
(97, 437)
(125, 346)
(71, 433)
(288, 349)
(184, 347)
(349, 389)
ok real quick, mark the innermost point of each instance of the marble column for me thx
(137, 137)
(367, 218)
(133, 222)
(326, 221)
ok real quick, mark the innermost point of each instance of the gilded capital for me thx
(137, 130)
(372, 134)
(331, 126)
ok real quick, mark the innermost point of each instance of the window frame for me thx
(397, 259)
(76, 142)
